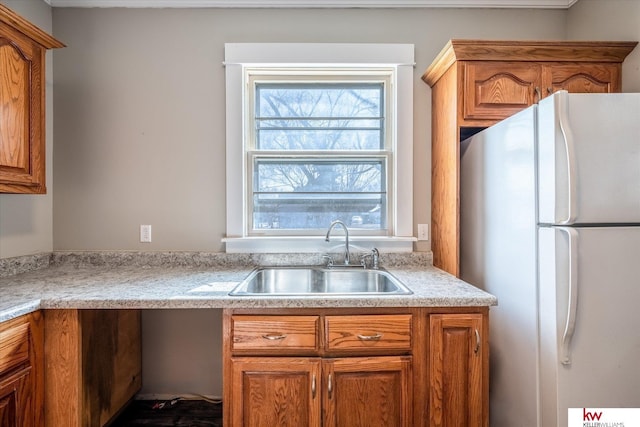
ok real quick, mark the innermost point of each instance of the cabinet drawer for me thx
(14, 347)
(299, 333)
(368, 332)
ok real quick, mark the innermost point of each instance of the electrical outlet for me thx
(423, 231)
(145, 234)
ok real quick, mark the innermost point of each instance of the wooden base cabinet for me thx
(364, 392)
(93, 365)
(458, 370)
(373, 367)
(318, 368)
(293, 392)
(276, 391)
(21, 371)
(476, 83)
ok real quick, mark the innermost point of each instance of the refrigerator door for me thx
(589, 159)
(589, 295)
(498, 254)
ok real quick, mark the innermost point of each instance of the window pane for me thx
(319, 116)
(309, 194)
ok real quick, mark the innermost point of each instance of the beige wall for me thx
(140, 108)
(609, 20)
(26, 225)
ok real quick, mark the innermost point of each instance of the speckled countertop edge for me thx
(157, 280)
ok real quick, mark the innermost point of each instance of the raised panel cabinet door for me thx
(21, 155)
(367, 392)
(22, 103)
(456, 371)
(271, 391)
(582, 78)
(15, 402)
(497, 90)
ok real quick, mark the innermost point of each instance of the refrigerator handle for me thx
(572, 306)
(562, 107)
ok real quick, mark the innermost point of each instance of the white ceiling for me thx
(541, 4)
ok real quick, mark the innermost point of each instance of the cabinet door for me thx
(456, 371)
(22, 119)
(267, 392)
(367, 392)
(497, 90)
(582, 78)
(15, 407)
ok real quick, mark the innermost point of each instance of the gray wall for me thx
(26, 222)
(140, 109)
(610, 20)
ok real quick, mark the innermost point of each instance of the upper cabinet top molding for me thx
(28, 29)
(526, 50)
(536, 4)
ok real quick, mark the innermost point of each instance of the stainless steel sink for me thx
(265, 281)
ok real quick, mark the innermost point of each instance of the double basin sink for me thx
(267, 281)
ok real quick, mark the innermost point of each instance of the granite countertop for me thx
(99, 280)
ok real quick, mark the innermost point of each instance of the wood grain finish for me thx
(390, 387)
(477, 83)
(368, 392)
(22, 97)
(276, 392)
(93, 364)
(456, 366)
(14, 347)
(21, 371)
(368, 332)
(268, 334)
(15, 391)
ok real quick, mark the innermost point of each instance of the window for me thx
(315, 139)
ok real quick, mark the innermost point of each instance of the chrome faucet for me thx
(346, 244)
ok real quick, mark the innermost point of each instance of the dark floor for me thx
(185, 413)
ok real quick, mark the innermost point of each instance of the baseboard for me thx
(183, 396)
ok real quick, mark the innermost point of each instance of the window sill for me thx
(316, 244)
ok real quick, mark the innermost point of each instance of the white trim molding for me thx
(238, 56)
(529, 4)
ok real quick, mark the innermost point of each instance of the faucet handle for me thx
(329, 259)
(375, 259)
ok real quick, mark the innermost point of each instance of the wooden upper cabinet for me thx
(22, 100)
(497, 90)
(477, 83)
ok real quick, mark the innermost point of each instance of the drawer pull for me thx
(274, 337)
(375, 337)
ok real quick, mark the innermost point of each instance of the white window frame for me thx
(242, 56)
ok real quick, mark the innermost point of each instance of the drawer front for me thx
(14, 347)
(368, 332)
(299, 333)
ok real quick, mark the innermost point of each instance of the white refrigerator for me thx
(550, 224)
